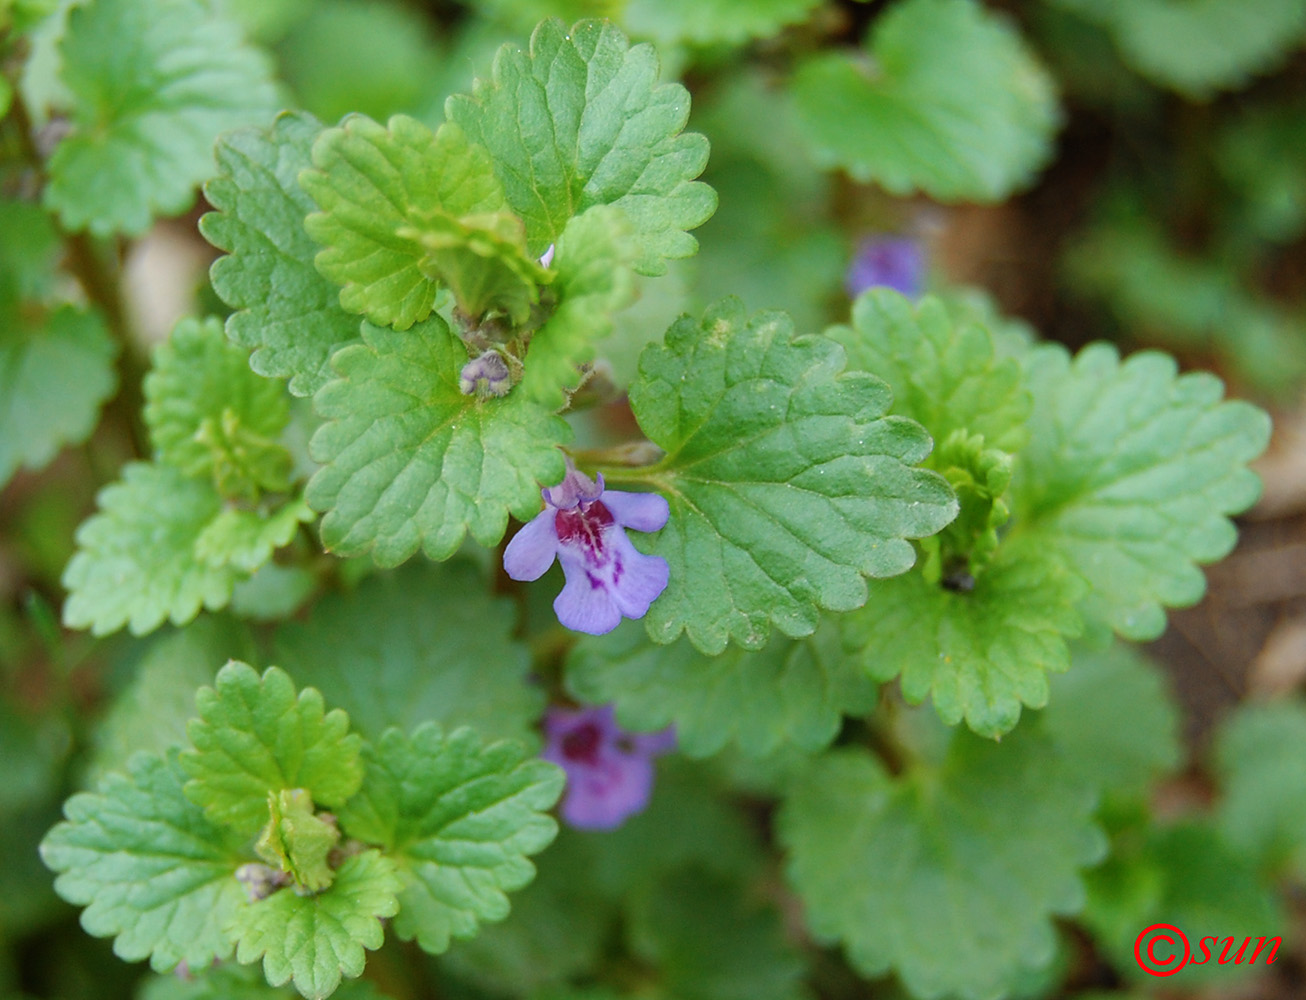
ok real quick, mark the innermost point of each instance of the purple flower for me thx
(609, 771)
(887, 262)
(485, 376)
(583, 525)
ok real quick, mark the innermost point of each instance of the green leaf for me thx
(1199, 46)
(425, 643)
(210, 415)
(579, 121)
(1259, 751)
(1185, 876)
(945, 373)
(29, 252)
(704, 22)
(315, 939)
(54, 376)
(411, 462)
(143, 125)
(966, 864)
(459, 819)
(254, 736)
(285, 310)
(273, 593)
(789, 693)
(979, 654)
(135, 564)
(1130, 475)
(379, 190)
(152, 871)
(787, 483)
(946, 100)
(1113, 720)
(151, 712)
(710, 941)
(980, 477)
(246, 539)
(594, 282)
(298, 841)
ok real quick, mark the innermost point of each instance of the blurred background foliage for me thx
(1158, 200)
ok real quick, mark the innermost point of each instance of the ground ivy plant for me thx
(404, 405)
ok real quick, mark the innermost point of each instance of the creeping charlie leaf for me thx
(285, 310)
(704, 22)
(1130, 476)
(967, 863)
(981, 654)
(53, 379)
(153, 82)
(297, 840)
(459, 819)
(151, 869)
(255, 736)
(788, 485)
(947, 100)
(406, 211)
(209, 415)
(579, 121)
(425, 643)
(791, 693)
(315, 939)
(945, 373)
(135, 563)
(410, 462)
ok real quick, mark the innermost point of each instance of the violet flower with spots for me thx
(609, 771)
(583, 526)
(887, 262)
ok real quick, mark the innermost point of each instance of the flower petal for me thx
(603, 797)
(559, 722)
(638, 579)
(532, 550)
(638, 511)
(648, 744)
(586, 603)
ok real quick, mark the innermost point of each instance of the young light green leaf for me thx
(594, 282)
(459, 819)
(788, 485)
(1113, 720)
(316, 939)
(706, 22)
(1200, 46)
(966, 864)
(789, 693)
(135, 563)
(946, 100)
(425, 643)
(53, 379)
(412, 462)
(1130, 475)
(210, 415)
(143, 127)
(978, 654)
(152, 871)
(377, 189)
(980, 477)
(285, 310)
(246, 539)
(1259, 751)
(151, 712)
(579, 121)
(944, 373)
(297, 840)
(255, 736)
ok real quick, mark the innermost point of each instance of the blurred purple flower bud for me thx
(609, 771)
(583, 526)
(887, 262)
(485, 376)
(546, 258)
